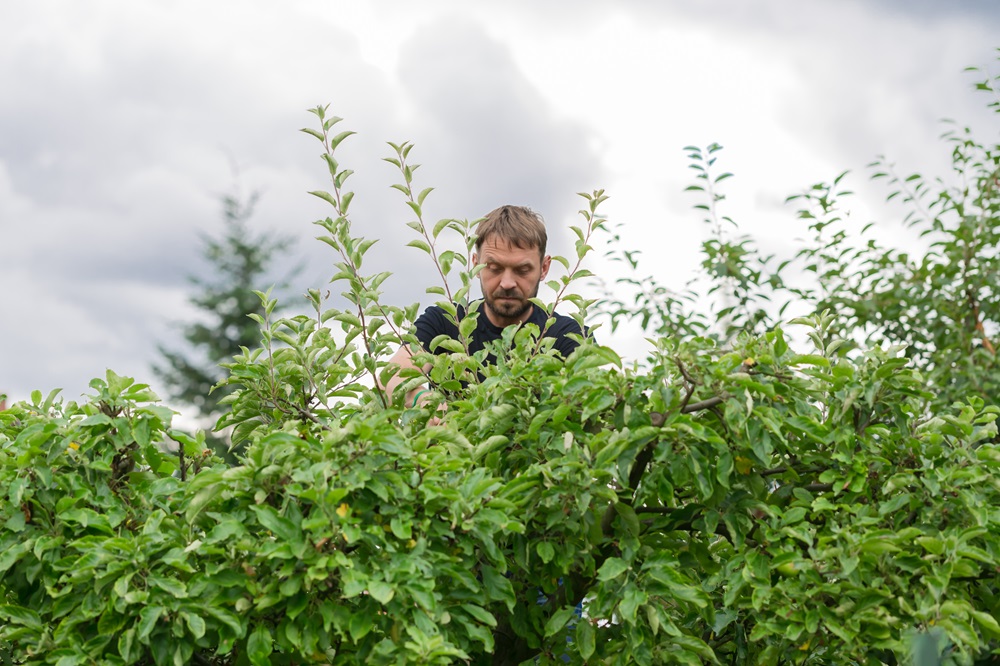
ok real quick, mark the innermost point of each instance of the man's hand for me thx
(403, 358)
(421, 399)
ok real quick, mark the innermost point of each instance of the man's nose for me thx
(507, 280)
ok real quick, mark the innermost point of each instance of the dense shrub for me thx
(728, 500)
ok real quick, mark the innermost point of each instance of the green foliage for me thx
(732, 499)
(940, 303)
(935, 293)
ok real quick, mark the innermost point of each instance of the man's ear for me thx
(546, 262)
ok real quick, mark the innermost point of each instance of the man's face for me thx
(510, 277)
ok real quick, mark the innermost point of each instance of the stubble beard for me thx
(510, 309)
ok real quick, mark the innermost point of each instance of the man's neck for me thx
(503, 322)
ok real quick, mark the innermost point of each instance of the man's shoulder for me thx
(437, 313)
(432, 323)
(432, 313)
(560, 326)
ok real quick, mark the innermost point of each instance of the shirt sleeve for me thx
(431, 324)
(562, 326)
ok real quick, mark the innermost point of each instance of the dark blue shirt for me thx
(433, 323)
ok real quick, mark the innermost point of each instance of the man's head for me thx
(511, 243)
(516, 225)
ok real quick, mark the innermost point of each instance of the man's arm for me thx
(404, 359)
(562, 326)
(428, 325)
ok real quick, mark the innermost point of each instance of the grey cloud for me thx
(490, 127)
(987, 10)
(871, 77)
(120, 121)
(778, 15)
(483, 137)
(117, 139)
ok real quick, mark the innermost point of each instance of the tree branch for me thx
(704, 404)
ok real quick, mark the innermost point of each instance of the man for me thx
(510, 244)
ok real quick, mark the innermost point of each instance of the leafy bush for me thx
(728, 500)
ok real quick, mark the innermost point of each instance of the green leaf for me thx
(612, 568)
(558, 620)
(598, 403)
(724, 468)
(381, 591)
(878, 544)
(498, 587)
(126, 644)
(281, 527)
(148, 618)
(226, 618)
(16, 490)
(335, 141)
(931, 544)
(259, 646)
(420, 245)
(195, 624)
(313, 132)
(360, 625)
(467, 326)
(401, 529)
(629, 518)
(207, 487)
(11, 555)
(701, 471)
(296, 605)
(987, 622)
(632, 598)
(586, 639)
(480, 614)
(173, 586)
(440, 224)
(545, 550)
(96, 419)
(326, 196)
(809, 359)
(20, 615)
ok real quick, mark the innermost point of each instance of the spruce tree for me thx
(240, 262)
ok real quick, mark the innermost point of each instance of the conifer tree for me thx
(240, 262)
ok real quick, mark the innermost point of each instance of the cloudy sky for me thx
(123, 122)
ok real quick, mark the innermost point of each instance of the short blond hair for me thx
(518, 225)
